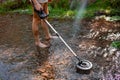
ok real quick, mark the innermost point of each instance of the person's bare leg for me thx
(46, 29)
(44, 25)
(36, 33)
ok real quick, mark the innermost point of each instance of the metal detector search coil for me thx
(84, 67)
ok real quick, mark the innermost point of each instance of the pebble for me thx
(48, 66)
(45, 75)
(105, 55)
(41, 70)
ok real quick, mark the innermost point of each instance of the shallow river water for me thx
(20, 60)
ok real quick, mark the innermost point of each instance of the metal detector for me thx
(83, 66)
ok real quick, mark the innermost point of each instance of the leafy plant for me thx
(60, 4)
(116, 44)
(24, 1)
(115, 3)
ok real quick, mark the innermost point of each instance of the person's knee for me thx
(35, 21)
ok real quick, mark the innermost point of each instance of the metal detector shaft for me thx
(83, 65)
(61, 38)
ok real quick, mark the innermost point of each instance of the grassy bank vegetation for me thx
(62, 9)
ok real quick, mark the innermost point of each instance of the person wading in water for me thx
(39, 5)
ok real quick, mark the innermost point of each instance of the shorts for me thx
(42, 1)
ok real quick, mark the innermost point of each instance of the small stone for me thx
(85, 78)
(61, 62)
(99, 48)
(105, 55)
(41, 70)
(48, 66)
(112, 51)
(108, 59)
(45, 75)
(110, 30)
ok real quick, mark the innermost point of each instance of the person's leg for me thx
(46, 30)
(35, 30)
(43, 24)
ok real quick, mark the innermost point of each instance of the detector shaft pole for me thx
(60, 38)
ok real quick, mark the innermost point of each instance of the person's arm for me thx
(34, 1)
(36, 5)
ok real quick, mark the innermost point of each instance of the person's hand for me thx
(38, 6)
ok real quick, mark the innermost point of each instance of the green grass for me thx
(99, 5)
(63, 13)
(26, 10)
(116, 44)
(13, 6)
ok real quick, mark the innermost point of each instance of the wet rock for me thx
(117, 53)
(45, 75)
(113, 36)
(110, 30)
(61, 62)
(48, 66)
(41, 70)
(39, 78)
(82, 46)
(105, 55)
(99, 49)
(112, 51)
(108, 59)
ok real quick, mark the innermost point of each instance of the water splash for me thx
(78, 17)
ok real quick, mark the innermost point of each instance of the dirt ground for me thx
(20, 60)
